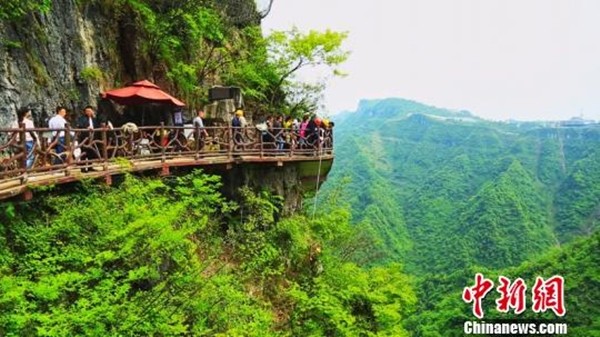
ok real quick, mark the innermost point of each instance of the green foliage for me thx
(14, 10)
(90, 270)
(293, 50)
(39, 71)
(190, 46)
(504, 223)
(92, 74)
(174, 258)
(200, 44)
(10, 44)
(349, 302)
(578, 209)
(253, 71)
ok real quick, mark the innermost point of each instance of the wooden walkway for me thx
(115, 152)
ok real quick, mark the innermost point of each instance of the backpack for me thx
(235, 122)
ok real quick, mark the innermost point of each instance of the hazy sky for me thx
(500, 59)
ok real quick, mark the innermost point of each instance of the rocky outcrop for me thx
(56, 58)
(291, 180)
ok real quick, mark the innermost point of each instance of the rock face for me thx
(291, 181)
(56, 58)
(283, 181)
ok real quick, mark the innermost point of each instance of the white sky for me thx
(500, 59)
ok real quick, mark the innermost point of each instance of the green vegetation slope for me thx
(175, 258)
(446, 190)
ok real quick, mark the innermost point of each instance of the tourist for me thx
(58, 122)
(277, 131)
(198, 122)
(24, 117)
(90, 122)
(238, 122)
(302, 130)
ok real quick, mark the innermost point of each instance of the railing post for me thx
(130, 150)
(231, 141)
(321, 141)
(67, 147)
(261, 145)
(104, 147)
(163, 146)
(23, 145)
(43, 148)
(292, 145)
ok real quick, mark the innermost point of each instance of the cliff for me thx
(61, 57)
(68, 53)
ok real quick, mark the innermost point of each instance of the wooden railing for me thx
(63, 150)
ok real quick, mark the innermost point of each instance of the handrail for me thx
(62, 150)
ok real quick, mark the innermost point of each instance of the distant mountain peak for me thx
(399, 107)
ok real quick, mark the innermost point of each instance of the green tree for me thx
(294, 50)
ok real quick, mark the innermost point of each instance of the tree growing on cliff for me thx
(294, 50)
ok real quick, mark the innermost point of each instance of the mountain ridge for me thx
(422, 173)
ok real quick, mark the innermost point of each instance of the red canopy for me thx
(141, 92)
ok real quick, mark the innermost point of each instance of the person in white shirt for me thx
(199, 123)
(24, 117)
(58, 122)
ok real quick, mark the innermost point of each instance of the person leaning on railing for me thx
(31, 138)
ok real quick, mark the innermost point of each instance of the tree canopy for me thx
(294, 50)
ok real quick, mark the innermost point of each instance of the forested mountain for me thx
(446, 189)
(451, 195)
(442, 312)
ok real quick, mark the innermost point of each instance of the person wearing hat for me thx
(328, 133)
(240, 114)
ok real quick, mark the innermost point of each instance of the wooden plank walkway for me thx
(24, 184)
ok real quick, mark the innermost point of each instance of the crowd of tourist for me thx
(276, 132)
(288, 132)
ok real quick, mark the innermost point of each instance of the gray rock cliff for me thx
(56, 58)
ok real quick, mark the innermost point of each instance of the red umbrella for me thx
(141, 92)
